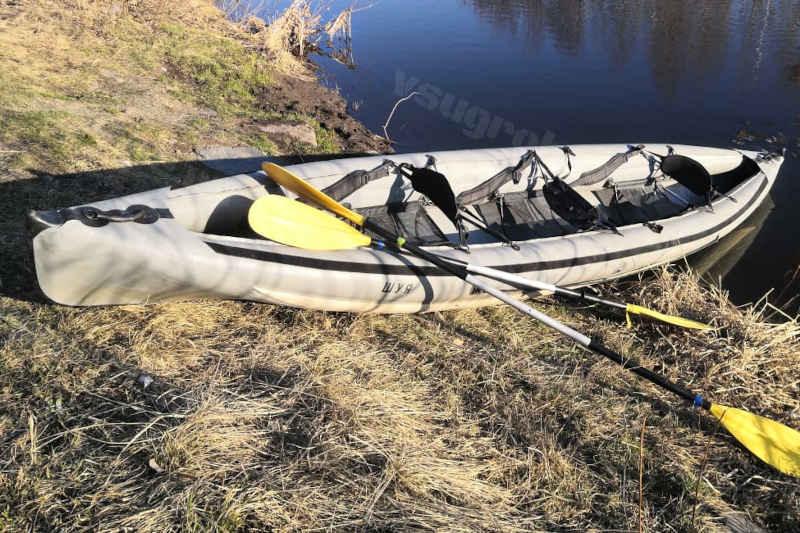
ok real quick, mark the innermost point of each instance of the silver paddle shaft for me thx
(528, 310)
(519, 281)
(514, 279)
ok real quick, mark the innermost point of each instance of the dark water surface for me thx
(498, 73)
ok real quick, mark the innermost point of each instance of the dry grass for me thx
(288, 34)
(261, 417)
(291, 34)
(265, 417)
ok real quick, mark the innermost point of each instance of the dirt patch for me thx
(308, 97)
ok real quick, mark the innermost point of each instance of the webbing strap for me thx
(483, 191)
(590, 177)
(357, 179)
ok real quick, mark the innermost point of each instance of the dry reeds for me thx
(292, 33)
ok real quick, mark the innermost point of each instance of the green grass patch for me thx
(326, 140)
(47, 132)
(263, 143)
(140, 142)
(223, 75)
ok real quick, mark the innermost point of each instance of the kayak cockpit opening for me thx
(724, 182)
(694, 176)
(219, 207)
(597, 199)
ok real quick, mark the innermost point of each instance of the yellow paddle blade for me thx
(770, 441)
(669, 319)
(289, 222)
(281, 176)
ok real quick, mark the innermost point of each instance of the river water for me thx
(505, 72)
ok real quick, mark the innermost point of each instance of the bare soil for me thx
(309, 97)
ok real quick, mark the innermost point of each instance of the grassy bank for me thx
(86, 85)
(230, 416)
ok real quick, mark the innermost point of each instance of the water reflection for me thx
(566, 21)
(793, 73)
(716, 263)
(686, 40)
(619, 27)
(682, 39)
(514, 17)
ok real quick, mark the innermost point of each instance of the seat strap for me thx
(357, 179)
(590, 177)
(484, 191)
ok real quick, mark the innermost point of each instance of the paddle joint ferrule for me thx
(380, 245)
(699, 401)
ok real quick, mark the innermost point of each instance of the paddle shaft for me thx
(463, 271)
(521, 282)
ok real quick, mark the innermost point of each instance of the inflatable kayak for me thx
(569, 215)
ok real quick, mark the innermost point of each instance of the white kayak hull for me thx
(181, 255)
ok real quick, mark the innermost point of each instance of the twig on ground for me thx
(386, 125)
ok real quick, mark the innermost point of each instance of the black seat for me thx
(524, 215)
(690, 174)
(636, 204)
(408, 219)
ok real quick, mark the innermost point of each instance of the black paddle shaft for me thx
(454, 269)
(628, 364)
(657, 379)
